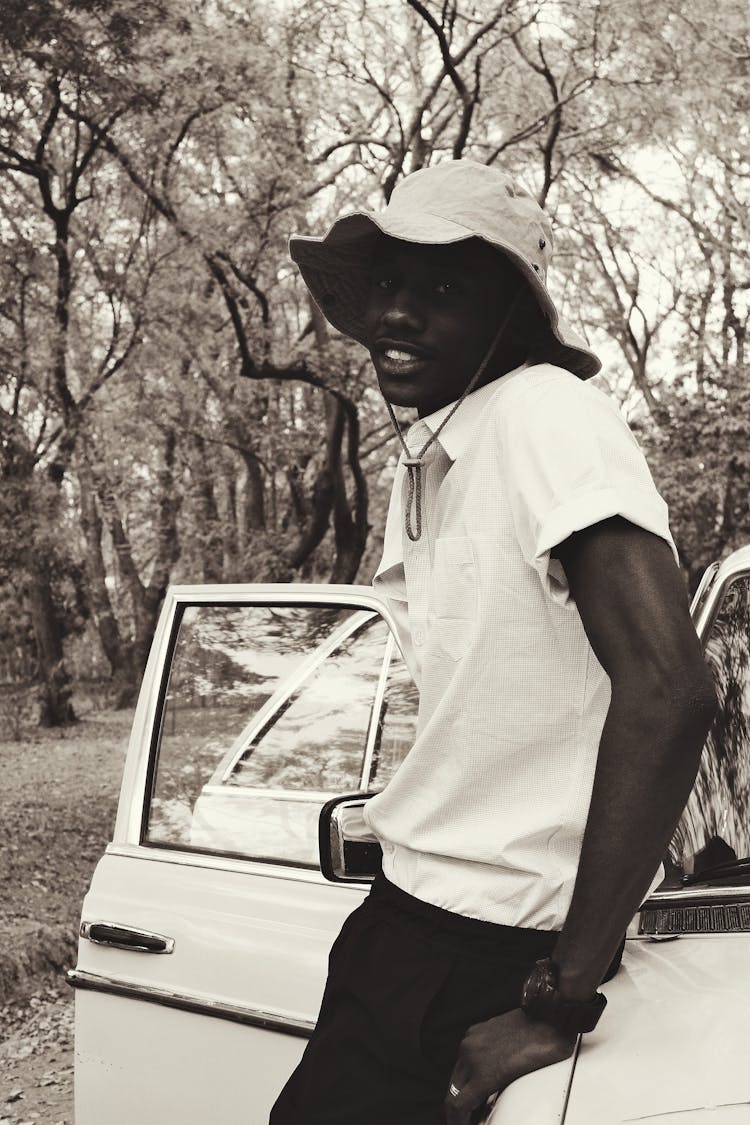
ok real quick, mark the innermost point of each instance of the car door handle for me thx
(123, 937)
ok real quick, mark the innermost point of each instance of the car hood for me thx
(671, 1049)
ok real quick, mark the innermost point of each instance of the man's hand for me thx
(494, 1053)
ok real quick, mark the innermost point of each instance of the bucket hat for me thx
(447, 202)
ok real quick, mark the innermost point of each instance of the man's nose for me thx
(403, 311)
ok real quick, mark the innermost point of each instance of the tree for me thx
(166, 376)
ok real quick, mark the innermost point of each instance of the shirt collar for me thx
(456, 433)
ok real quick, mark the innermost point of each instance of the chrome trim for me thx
(338, 839)
(676, 894)
(377, 707)
(704, 587)
(276, 793)
(268, 870)
(737, 565)
(701, 918)
(281, 593)
(680, 897)
(269, 1019)
(147, 935)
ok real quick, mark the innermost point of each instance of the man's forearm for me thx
(648, 758)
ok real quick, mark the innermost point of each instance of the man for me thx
(563, 696)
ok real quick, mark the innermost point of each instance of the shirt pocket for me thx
(455, 594)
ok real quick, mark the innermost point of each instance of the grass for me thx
(57, 810)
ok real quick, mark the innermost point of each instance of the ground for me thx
(57, 809)
(36, 1060)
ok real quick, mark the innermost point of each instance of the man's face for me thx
(431, 316)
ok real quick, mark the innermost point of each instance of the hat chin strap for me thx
(414, 465)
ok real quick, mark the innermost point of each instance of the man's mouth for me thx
(399, 359)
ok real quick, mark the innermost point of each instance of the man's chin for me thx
(403, 393)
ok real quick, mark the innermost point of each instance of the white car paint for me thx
(672, 1047)
(246, 940)
(675, 1038)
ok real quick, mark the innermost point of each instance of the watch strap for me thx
(541, 1000)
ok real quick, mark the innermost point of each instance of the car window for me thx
(397, 723)
(267, 715)
(715, 827)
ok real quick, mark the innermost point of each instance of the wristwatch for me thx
(541, 1000)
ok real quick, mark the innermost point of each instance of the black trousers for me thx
(405, 981)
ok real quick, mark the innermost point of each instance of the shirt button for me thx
(419, 636)
(388, 848)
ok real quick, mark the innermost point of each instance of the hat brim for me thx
(336, 270)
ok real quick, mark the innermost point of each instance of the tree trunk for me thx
(166, 555)
(55, 690)
(255, 502)
(101, 607)
(350, 519)
(324, 488)
(207, 514)
(228, 496)
(17, 478)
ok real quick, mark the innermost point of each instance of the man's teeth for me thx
(399, 356)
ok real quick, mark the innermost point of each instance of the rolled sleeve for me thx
(571, 462)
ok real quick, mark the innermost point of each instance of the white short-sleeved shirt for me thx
(486, 814)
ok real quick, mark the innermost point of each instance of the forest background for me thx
(172, 409)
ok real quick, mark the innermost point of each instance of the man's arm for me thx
(634, 609)
(633, 606)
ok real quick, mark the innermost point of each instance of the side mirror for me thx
(349, 852)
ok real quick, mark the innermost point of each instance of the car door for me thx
(206, 929)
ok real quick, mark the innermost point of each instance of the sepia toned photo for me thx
(375, 562)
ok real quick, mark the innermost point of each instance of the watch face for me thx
(541, 1000)
(529, 990)
(535, 984)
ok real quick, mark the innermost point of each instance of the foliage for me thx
(701, 462)
(169, 398)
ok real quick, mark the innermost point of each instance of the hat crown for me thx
(482, 198)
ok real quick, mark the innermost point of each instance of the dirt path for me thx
(36, 1060)
(57, 808)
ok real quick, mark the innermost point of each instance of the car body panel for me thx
(212, 1030)
(674, 1038)
(155, 1069)
(540, 1098)
(244, 943)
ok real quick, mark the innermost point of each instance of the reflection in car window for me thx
(715, 827)
(266, 714)
(398, 722)
(316, 738)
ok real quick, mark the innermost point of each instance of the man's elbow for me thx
(678, 699)
(688, 704)
(701, 701)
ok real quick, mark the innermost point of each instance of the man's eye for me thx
(382, 281)
(446, 287)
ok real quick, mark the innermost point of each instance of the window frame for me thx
(140, 765)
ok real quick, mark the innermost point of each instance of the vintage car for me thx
(205, 933)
